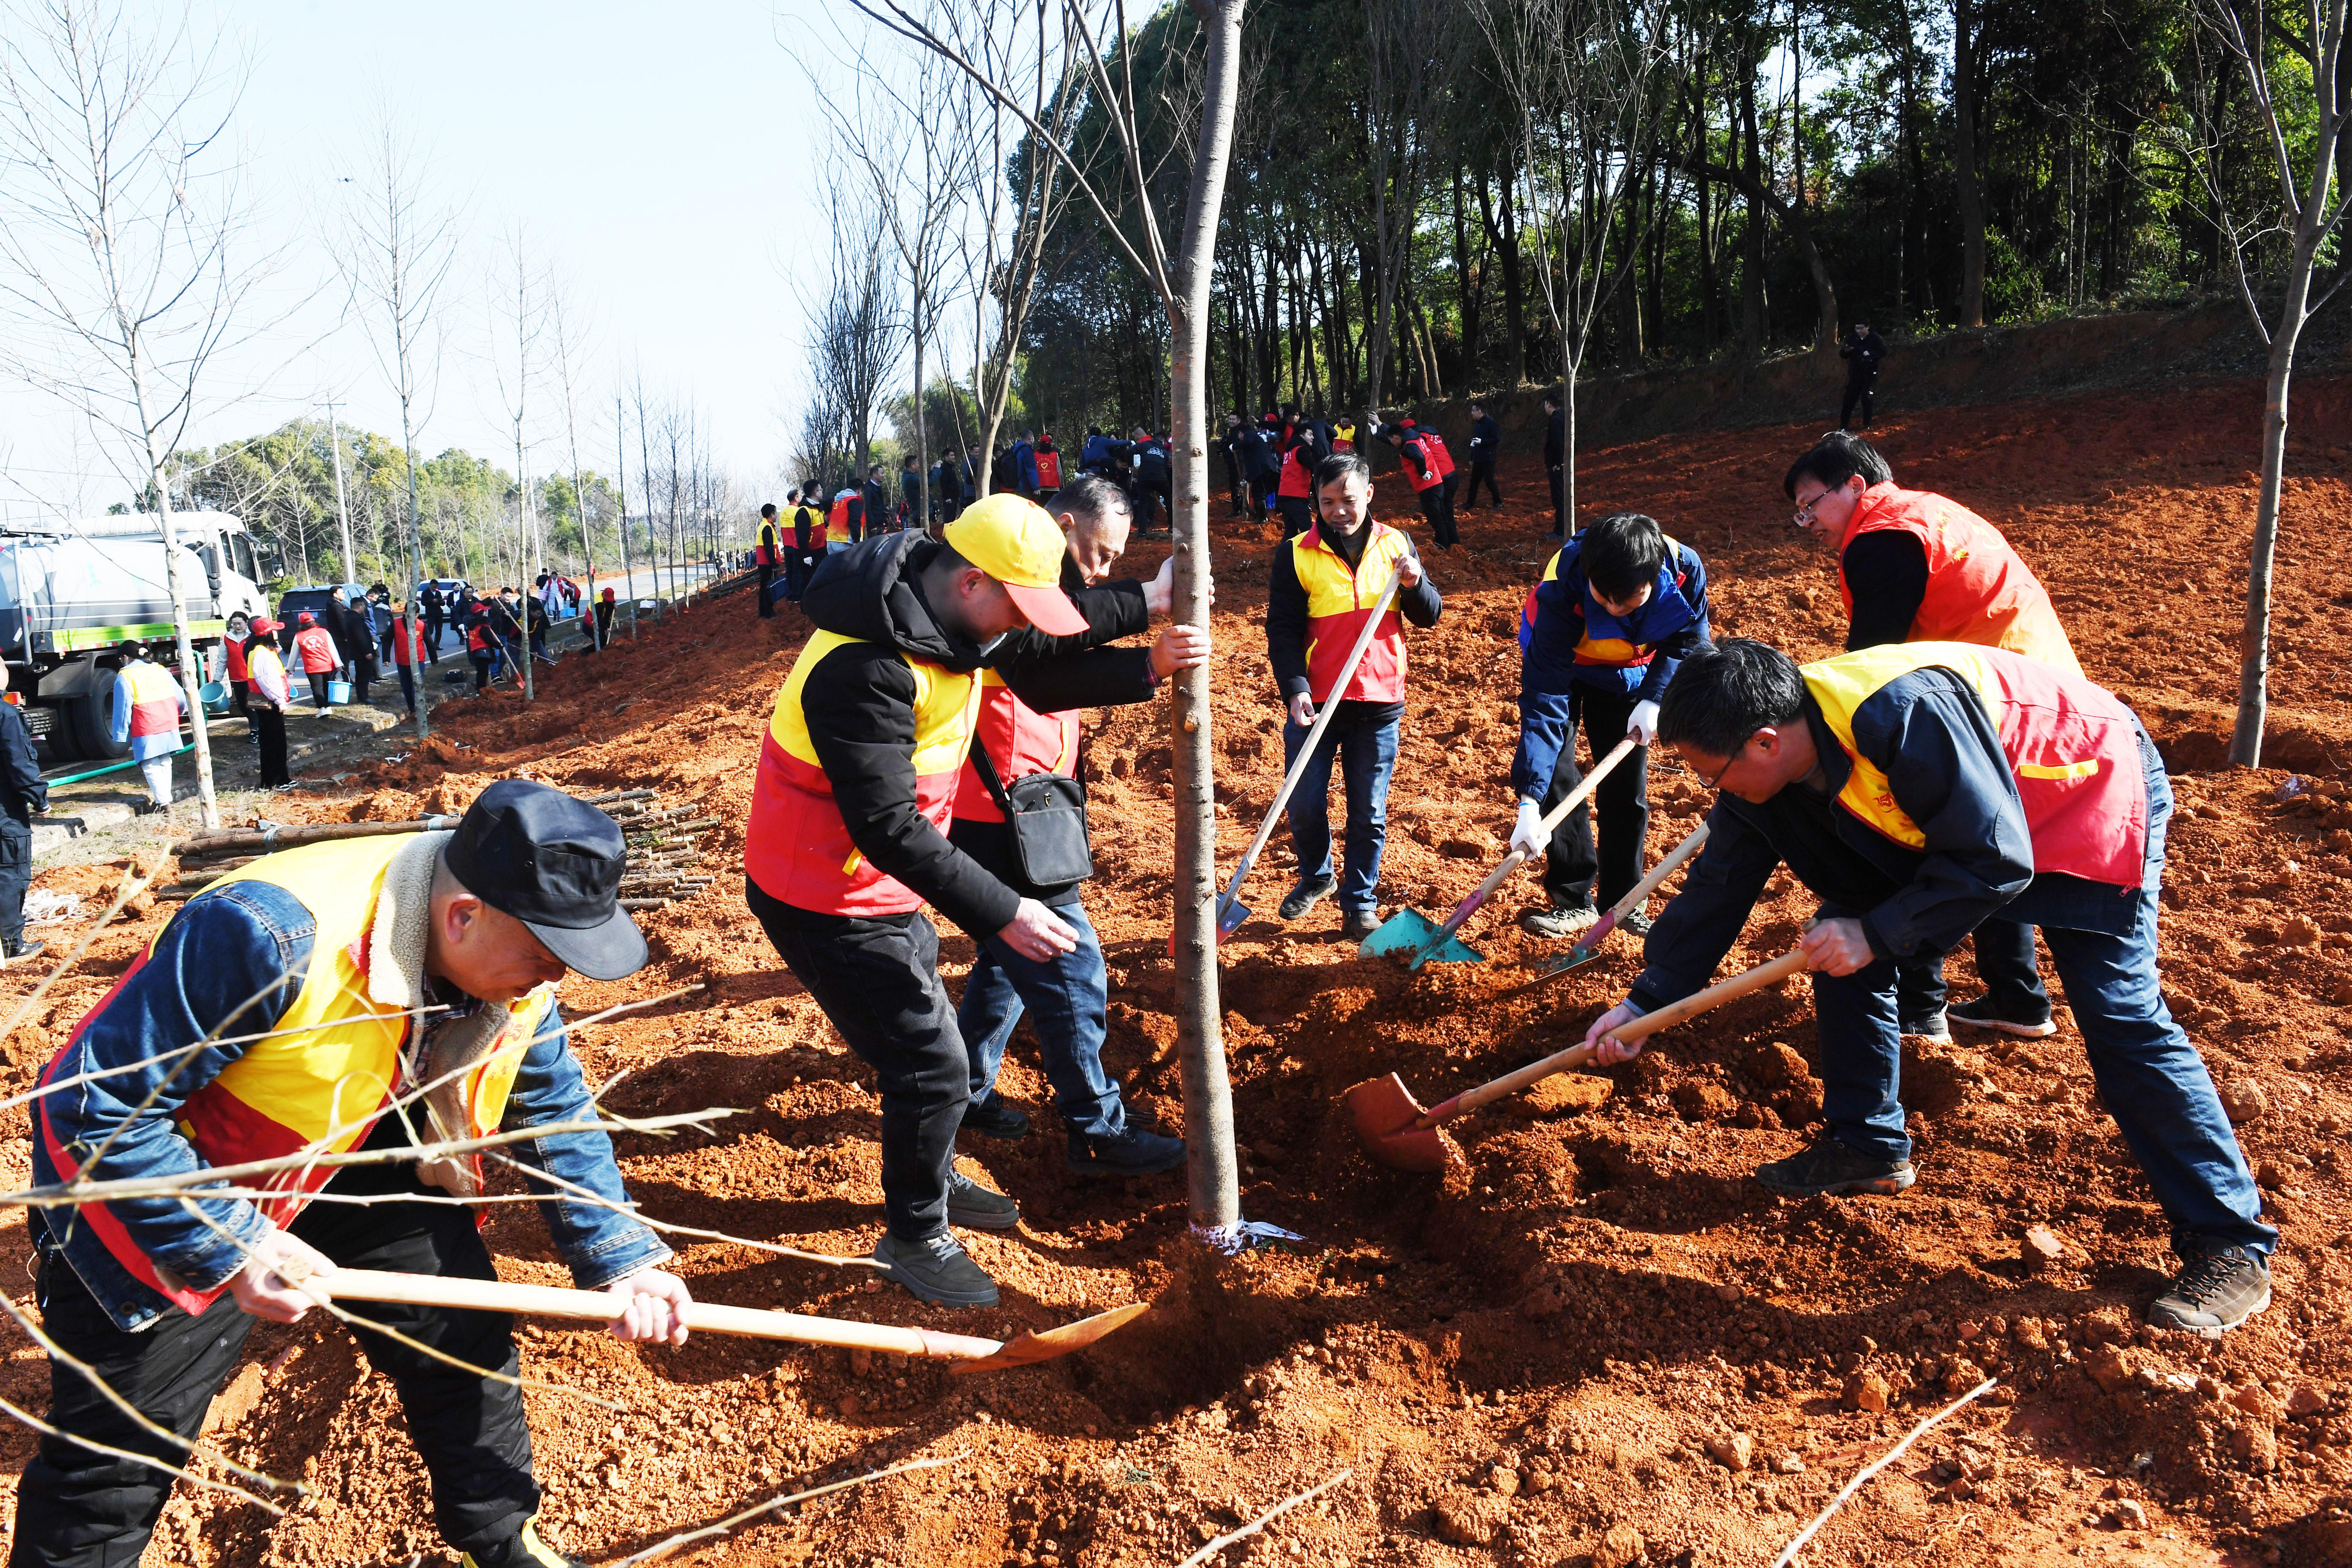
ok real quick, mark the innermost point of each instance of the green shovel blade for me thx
(1409, 930)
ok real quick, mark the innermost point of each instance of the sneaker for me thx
(1982, 1013)
(976, 1207)
(1930, 1029)
(1358, 924)
(526, 1550)
(1555, 922)
(936, 1270)
(2214, 1292)
(1829, 1167)
(1305, 894)
(1129, 1151)
(995, 1116)
(1635, 923)
(25, 950)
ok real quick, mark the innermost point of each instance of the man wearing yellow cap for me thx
(848, 837)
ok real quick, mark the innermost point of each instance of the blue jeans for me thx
(2151, 1078)
(1364, 737)
(1065, 998)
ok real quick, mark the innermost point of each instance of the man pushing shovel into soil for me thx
(1916, 788)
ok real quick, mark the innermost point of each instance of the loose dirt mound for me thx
(1597, 1340)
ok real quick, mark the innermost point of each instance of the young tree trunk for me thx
(1214, 1181)
(1964, 160)
(2254, 639)
(192, 673)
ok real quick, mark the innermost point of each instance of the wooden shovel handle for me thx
(1517, 858)
(602, 1307)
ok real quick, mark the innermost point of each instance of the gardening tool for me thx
(970, 1353)
(1229, 912)
(1409, 930)
(1588, 949)
(1398, 1133)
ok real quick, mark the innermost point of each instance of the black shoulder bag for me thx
(1047, 815)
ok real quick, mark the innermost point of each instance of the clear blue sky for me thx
(662, 156)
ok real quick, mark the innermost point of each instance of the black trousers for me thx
(482, 658)
(407, 685)
(1297, 512)
(319, 679)
(1858, 393)
(433, 638)
(269, 727)
(16, 878)
(767, 576)
(878, 981)
(1570, 865)
(76, 1509)
(2005, 963)
(1438, 508)
(362, 671)
(1559, 503)
(1482, 472)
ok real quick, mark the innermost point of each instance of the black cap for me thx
(554, 863)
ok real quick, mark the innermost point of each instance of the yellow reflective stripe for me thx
(946, 703)
(1842, 685)
(1551, 568)
(2081, 770)
(849, 866)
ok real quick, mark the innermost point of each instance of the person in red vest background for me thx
(1914, 566)
(1915, 788)
(1049, 469)
(1419, 462)
(407, 636)
(1323, 586)
(769, 553)
(316, 652)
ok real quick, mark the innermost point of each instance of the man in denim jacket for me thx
(368, 995)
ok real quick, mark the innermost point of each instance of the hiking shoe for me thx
(1358, 924)
(976, 1207)
(1635, 923)
(1982, 1013)
(1129, 1151)
(995, 1116)
(1930, 1027)
(25, 950)
(1829, 1167)
(2214, 1292)
(1556, 922)
(937, 1270)
(1305, 894)
(525, 1549)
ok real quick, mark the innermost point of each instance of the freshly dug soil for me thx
(1596, 1340)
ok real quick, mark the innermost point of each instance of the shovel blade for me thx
(1410, 932)
(1231, 913)
(1045, 1344)
(1384, 1111)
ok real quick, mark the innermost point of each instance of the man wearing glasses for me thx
(1916, 788)
(1914, 566)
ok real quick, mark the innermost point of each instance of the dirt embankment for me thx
(1596, 1340)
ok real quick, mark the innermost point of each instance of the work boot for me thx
(1635, 923)
(19, 951)
(1982, 1014)
(1560, 921)
(525, 1549)
(976, 1207)
(1305, 894)
(1129, 1151)
(1830, 1167)
(995, 1116)
(937, 1270)
(2214, 1292)
(1928, 1026)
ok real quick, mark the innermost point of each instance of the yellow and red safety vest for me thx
(797, 849)
(1020, 741)
(1979, 589)
(1338, 601)
(154, 699)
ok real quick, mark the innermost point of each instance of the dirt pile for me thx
(1596, 1340)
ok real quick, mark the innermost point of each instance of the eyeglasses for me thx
(1805, 510)
(1671, 765)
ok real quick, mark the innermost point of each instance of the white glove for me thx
(1527, 833)
(1643, 724)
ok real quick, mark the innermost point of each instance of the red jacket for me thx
(407, 640)
(316, 649)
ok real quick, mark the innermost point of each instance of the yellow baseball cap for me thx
(1015, 542)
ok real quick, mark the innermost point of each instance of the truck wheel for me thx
(64, 746)
(93, 729)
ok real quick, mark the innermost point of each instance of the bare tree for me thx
(1409, 68)
(856, 321)
(518, 318)
(394, 250)
(2303, 147)
(123, 222)
(568, 328)
(1098, 49)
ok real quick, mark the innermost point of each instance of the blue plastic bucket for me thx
(216, 696)
(338, 691)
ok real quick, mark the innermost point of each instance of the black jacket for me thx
(1555, 439)
(877, 508)
(22, 793)
(1485, 438)
(1886, 573)
(859, 705)
(1861, 356)
(1259, 465)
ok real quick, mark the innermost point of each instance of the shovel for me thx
(1230, 911)
(1588, 949)
(969, 1353)
(1400, 1135)
(1409, 930)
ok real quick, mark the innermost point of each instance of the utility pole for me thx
(621, 488)
(343, 510)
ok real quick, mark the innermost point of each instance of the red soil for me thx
(1528, 1360)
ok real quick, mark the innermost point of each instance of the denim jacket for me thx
(226, 948)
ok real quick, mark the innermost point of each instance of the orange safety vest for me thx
(839, 516)
(2073, 746)
(1020, 741)
(797, 849)
(1049, 468)
(769, 556)
(1979, 589)
(1338, 601)
(332, 1062)
(154, 699)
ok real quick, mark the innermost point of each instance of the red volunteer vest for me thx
(1979, 589)
(1429, 478)
(1434, 446)
(1049, 468)
(1020, 741)
(1297, 482)
(1337, 603)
